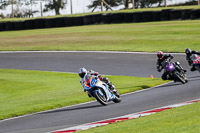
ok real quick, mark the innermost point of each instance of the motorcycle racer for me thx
(189, 53)
(83, 73)
(160, 64)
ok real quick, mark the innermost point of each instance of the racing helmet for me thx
(82, 72)
(188, 51)
(160, 54)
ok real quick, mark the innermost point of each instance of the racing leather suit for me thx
(96, 74)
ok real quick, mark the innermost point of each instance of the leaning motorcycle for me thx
(100, 90)
(196, 61)
(174, 73)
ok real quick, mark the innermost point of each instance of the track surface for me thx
(130, 64)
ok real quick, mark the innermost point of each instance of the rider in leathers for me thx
(83, 73)
(189, 53)
(161, 59)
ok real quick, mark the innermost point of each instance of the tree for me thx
(111, 3)
(3, 4)
(55, 5)
(18, 11)
(147, 3)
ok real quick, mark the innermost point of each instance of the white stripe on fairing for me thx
(109, 52)
(130, 116)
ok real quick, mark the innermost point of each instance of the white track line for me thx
(109, 52)
(122, 118)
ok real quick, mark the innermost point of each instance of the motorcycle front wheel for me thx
(179, 77)
(100, 96)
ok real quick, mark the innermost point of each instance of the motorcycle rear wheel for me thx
(118, 98)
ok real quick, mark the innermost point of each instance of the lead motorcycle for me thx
(175, 71)
(195, 61)
(100, 90)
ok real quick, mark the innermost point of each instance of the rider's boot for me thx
(89, 95)
(111, 86)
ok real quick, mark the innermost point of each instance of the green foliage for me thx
(4, 4)
(55, 5)
(111, 3)
(147, 3)
(23, 92)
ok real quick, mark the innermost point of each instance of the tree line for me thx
(57, 5)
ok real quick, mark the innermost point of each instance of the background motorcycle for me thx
(196, 61)
(175, 71)
(100, 90)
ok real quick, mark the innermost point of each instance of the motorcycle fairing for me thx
(97, 83)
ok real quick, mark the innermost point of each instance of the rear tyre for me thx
(118, 98)
(100, 99)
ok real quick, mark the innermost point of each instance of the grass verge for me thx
(183, 119)
(170, 36)
(23, 92)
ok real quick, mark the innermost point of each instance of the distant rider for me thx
(83, 73)
(189, 53)
(160, 62)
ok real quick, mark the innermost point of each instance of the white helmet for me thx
(82, 72)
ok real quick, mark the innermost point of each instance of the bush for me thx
(195, 14)
(2, 26)
(40, 23)
(97, 19)
(19, 25)
(9, 26)
(50, 23)
(78, 21)
(128, 17)
(138, 17)
(147, 16)
(176, 14)
(118, 18)
(60, 22)
(165, 14)
(29, 24)
(88, 19)
(186, 14)
(157, 16)
(69, 21)
(107, 18)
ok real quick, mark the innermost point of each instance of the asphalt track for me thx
(130, 64)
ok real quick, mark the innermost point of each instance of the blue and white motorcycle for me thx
(100, 90)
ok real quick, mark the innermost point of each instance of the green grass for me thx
(184, 119)
(119, 11)
(170, 36)
(23, 92)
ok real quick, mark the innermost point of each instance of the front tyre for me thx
(179, 77)
(100, 95)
